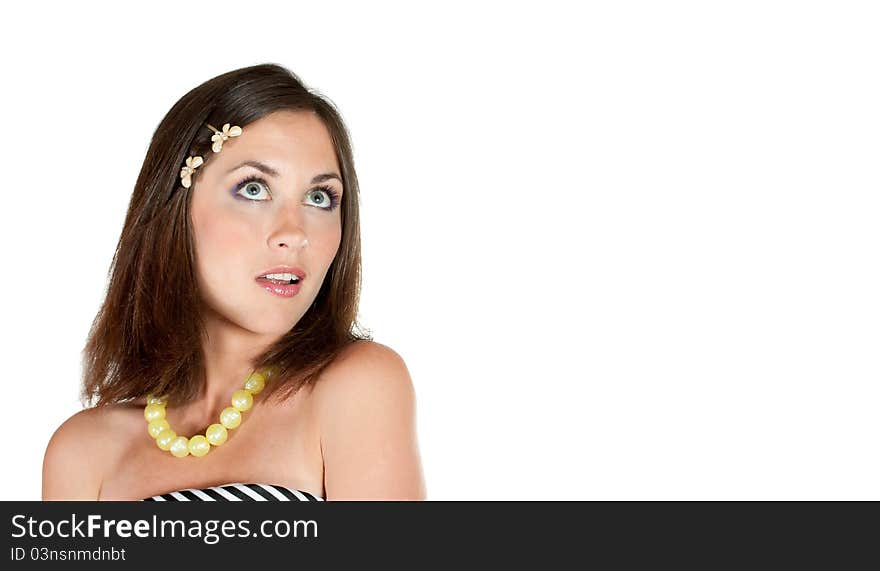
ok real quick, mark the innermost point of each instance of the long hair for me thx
(146, 337)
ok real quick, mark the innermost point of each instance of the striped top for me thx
(237, 492)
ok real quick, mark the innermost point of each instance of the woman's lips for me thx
(279, 288)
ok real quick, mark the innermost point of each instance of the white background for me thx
(628, 250)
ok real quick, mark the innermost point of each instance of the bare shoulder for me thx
(78, 453)
(366, 406)
(365, 369)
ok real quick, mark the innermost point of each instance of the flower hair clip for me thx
(193, 162)
(221, 136)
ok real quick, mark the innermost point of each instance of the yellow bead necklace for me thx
(216, 434)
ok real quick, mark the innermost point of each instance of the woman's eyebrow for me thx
(274, 173)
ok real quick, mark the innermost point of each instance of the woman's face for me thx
(242, 229)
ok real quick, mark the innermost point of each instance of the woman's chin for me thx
(259, 319)
(271, 325)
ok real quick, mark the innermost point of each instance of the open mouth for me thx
(283, 286)
(280, 279)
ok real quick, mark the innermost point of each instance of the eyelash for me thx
(334, 196)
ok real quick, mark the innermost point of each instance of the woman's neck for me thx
(229, 352)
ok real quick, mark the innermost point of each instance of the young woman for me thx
(224, 362)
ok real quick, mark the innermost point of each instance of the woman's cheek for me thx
(224, 232)
(219, 243)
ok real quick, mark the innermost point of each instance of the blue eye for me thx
(322, 197)
(250, 188)
(326, 197)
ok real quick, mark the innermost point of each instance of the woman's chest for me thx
(275, 447)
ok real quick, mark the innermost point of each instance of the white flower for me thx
(220, 136)
(192, 163)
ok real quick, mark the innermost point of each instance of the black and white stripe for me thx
(237, 492)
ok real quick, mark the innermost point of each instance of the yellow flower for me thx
(221, 136)
(192, 163)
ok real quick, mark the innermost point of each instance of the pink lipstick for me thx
(283, 281)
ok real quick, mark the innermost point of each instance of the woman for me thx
(223, 363)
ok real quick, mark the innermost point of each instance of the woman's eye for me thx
(253, 190)
(320, 198)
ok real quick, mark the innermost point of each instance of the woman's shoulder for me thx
(80, 449)
(364, 368)
(96, 420)
(367, 426)
(368, 381)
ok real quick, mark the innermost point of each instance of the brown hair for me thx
(146, 337)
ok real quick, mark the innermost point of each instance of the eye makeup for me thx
(329, 190)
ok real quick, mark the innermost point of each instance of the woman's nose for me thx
(290, 230)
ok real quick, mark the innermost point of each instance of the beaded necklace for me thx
(216, 434)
